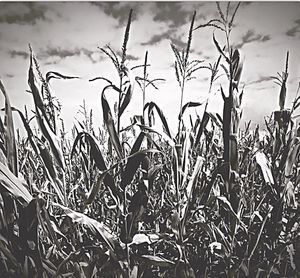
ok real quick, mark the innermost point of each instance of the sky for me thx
(66, 37)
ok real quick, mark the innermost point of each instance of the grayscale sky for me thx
(66, 37)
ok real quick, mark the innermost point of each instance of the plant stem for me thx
(144, 83)
(119, 104)
(181, 104)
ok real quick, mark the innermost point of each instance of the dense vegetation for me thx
(215, 201)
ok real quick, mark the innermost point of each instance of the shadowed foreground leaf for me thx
(133, 162)
(96, 155)
(92, 224)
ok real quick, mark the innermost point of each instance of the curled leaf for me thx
(57, 75)
(187, 105)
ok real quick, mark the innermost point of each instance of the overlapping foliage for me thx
(213, 201)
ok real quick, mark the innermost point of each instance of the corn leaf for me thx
(187, 105)
(151, 106)
(228, 207)
(132, 165)
(57, 75)
(52, 139)
(92, 224)
(264, 164)
(292, 157)
(157, 261)
(109, 122)
(96, 155)
(13, 185)
(282, 96)
(38, 101)
(42, 119)
(220, 49)
(46, 156)
(161, 134)
(128, 94)
(191, 185)
(10, 143)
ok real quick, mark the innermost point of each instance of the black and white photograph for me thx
(149, 139)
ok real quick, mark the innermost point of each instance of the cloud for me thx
(119, 10)
(172, 13)
(22, 13)
(168, 35)
(9, 75)
(251, 36)
(292, 32)
(155, 39)
(179, 43)
(128, 56)
(265, 38)
(264, 88)
(261, 79)
(17, 53)
(62, 53)
(132, 57)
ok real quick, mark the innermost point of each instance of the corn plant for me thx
(184, 70)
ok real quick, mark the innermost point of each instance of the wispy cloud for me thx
(8, 75)
(170, 35)
(251, 36)
(62, 53)
(155, 39)
(17, 53)
(128, 56)
(292, 32)
(260, 80)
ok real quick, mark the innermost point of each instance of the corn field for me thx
(218, 199)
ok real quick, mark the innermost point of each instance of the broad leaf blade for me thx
(10, 143)
(92, 224)
(264, 164)
(13, 185)
(108, 120)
